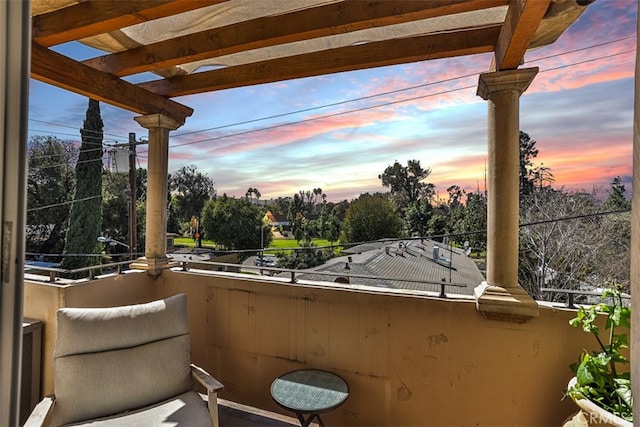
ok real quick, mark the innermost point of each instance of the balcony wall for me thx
(409, 360)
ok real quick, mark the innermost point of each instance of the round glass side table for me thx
(309, 392)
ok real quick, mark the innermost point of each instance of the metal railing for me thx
(55, 273)
(292, 275)
(572, 293)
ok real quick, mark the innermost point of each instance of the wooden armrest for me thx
(204, 378)
(212, 385)
(40, 414)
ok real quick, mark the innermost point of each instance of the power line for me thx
(588, 60)
(74, 154)
(306, 110)
(566, 218)
(584, 48)
(76, 141)
(376, 105)
(335, 104)
(101, 159)
(55, 205)
(73, 127)
(319, 117)
(361, 99)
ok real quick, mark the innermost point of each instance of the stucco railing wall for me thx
(408, 360)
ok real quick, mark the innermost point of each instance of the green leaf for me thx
(624, 391)
(598, 378)
(583, 373)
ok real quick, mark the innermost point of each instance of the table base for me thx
(308, 421)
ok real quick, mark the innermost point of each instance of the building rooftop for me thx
(392, 261)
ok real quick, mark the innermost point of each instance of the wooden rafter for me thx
(93, 17)
(526, 22)
(376, 54)
(522, 21)
(58, 70)
(320, 21)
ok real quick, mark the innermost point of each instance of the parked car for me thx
(265, 261)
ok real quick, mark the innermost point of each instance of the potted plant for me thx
(601, 386)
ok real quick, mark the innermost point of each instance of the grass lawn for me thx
(281, 245)
(275, 246)
(292, 243)
(188, 242)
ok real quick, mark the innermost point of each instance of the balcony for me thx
(409, 358)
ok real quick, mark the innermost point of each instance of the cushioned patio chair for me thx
(127, 366)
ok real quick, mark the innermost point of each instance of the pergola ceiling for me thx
(196, 46)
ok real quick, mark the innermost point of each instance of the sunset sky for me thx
(345, 129)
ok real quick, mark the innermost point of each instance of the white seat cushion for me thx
(185, 410)
(110, 360)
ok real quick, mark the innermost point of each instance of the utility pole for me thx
(133, 235)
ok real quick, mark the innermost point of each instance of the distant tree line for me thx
(565, 239)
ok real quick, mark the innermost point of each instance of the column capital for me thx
(157, 121)
(510, 80)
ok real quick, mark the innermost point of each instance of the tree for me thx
(234, 223)
(371, 217)
(50, 185)
(614, 263)
(253, 192)
(542, 177)
(299, 227)
(528, 151)
(568, 254)
(295, 214)
(406, 183)
(191, 189)
(115, 208)
(455, 196)
(279, 206)
(85, 222)
(331, 230)
(309, 202)
(438, 226)
(417, 217)
(141, 185)
(174, 223)
(470, 224)
(308, 256)
(304, 209)
(617, 200)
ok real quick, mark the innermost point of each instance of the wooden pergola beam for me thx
(56, 69)
(93, 17)
(520, 24)
(369, 55)
(310, 23)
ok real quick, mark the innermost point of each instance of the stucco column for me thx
(155, 251)
(500, 297)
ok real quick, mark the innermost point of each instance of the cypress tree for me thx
(85, 222)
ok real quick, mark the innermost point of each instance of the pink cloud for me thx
(276, 135)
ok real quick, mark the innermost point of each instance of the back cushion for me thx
(108, 360)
